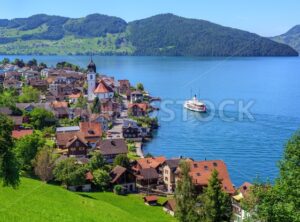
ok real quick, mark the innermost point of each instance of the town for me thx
(86, 130)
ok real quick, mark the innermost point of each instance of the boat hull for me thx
(199, 110)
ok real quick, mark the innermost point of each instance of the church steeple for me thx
(91, 66)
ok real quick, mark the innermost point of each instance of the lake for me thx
(251, 146)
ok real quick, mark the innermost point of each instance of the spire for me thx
(91, 66)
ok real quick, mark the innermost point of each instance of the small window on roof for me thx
(206, 167)
(195, 165)
(215, 164)
(198, 174)
(91, 132)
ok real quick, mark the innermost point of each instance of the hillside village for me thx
(95, 127)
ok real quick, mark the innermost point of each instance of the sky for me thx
(264, 17)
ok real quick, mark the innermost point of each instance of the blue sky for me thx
(265, 17)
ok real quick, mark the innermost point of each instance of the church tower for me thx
(91, 80)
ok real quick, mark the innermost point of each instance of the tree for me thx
(26, 149)
(101, 179)
(122, 160)
(42, 65)
(81, 102)
(29, 94)
(5, 61)
(44, 164)
(280, 202)
(140, 86)
(69, 172)
(9, 170)
(41, 118)
(19, 63)
(32, 62)
(96, 106)
(96, 161)
(185, 195)
(216, 203)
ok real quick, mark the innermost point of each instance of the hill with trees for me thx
(291, 38)
(164, 34)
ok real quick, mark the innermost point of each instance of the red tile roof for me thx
(150, 198)
(201, 171)
(142, 106)
(59, 104)
(89, 176)
(151, 162)
(17, 134)
(244, 189)
(91, 129)
(102, 88)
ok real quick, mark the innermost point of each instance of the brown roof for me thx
(201, 171)
(90, 129)
(150, 198)
(62, 138)
(17, 134)
(112, 146)
(116, 173)
(173, 163)
(244, 189)
(152, 162)
(148, 174)
(74, 96)
(102, 88)
(77, 137)
(170, 204)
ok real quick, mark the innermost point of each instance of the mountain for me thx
(291, 38)
(164, 34)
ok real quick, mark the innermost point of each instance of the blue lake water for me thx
(250, 147)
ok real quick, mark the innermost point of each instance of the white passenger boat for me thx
(195, 105)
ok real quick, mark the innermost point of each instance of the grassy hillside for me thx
(291, 38)
(168, 34)
(165, 34)
(36, 201)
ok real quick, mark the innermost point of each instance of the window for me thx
(91, 77)
(166, 171)
(166, 178)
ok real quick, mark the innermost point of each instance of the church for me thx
(101, 89)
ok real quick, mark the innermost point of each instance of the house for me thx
(17, 134)
(13, 75)
(73, 98)
(77, 146)
(138, 109)
(150, 200)
(201, 171)
(136, 96)
(18, 121)
(121, 176)
(130, 129)
(61, 109)
(12, 83)
(103, 119)
(39, 84)
(110, 148)
(124, 86)
(109, 106)
(150, 162)
(169, 207)
(169, 168)
(86, 187)
(103, 91)
(147, 177)
(28, 107)
(92, 132)
(239, 214)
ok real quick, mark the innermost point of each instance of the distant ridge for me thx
(160, 35)
(291, 38)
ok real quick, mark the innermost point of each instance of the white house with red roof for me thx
(102, 90)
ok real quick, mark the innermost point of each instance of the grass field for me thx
(36, 201)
